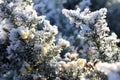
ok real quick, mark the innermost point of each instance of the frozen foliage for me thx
(4, 27)
(96, 39)
(30, 51)
(16, 13)
(112, 14)
(5, 23)
(54, 8)
(87, 52)
(33, 50)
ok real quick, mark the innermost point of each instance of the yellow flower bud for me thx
(43, 51)
(24, 33)
(43, 78)
(81, 62)
(63, 64)
(74, 56)
(46, 46)
(63, 42)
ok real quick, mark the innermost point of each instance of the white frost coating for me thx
(50, 28)
(110, 69)
(1, 1)
(93, 31)
(76, 16)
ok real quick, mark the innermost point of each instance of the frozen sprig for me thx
(95, 39)
(36, 53)
(63, 42)
(94, 34)
(84, 17)
(70, 67)
(30, 51)
(48, 27)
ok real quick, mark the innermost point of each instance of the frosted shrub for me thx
(33, 50)
(14, 13)
(5, 20)
(30, 51)
(34, 54)
(97, 40)
(54, 8)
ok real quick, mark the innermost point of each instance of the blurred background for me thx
(52, 9)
